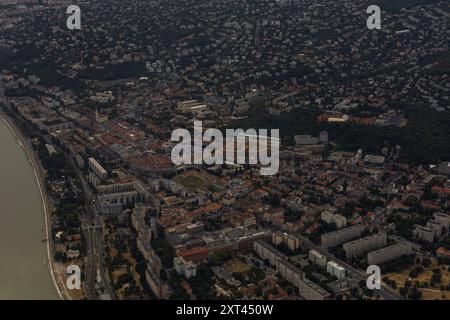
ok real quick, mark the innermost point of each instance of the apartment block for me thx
(288, 271)
(185, 268)
(336, 270)
(360, 246)
(290, 240)
(311, 291)
(424, 233)
(338, 237)
(443, 220)
(113, 197)
(389, 253)
(317, 258)
(307, 289)
(158, 286)
(267, 252)
(329, 217)
(436, 227)
(97, 174)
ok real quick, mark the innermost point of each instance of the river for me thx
(24, 272)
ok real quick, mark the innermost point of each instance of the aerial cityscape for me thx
(225, 150)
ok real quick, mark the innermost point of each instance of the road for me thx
(93, 228)
(90, 266)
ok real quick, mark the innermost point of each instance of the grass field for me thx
(194, 180)
(430, 293)
(235, 265)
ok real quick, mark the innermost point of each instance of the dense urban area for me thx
(364, 118)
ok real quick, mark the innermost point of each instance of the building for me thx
(267, 252)
(50, 126)
(144, 245)
(436, 227)
(307, 289)
(185, 268)
(360, 246)
(291, 241)
(317, 258)
(338, 237)
(143, 240)
(306, 140)
(329, 217)
(336, 270)
(196, 254)
(288, 271)
(152, 276)
(113, 197)
(190, 106)
(444, 168)
(443, 220)
(97, 174)
(100, 118)
(374, 160)
(138, 217)
(424, 233)
(311, 291)
(389, 253)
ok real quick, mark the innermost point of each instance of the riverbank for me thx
(58, 283)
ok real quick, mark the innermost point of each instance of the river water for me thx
(23, 257)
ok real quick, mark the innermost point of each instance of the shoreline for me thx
(36, 166)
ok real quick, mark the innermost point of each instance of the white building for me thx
(336, 270)
(185, 268)
(317, 258)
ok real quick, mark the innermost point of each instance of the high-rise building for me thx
(336, 270)
(338, 237)
(389, 253)
(360, 246)
(317, 258)
(97, 173)
(290, 240)
(185, 268)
